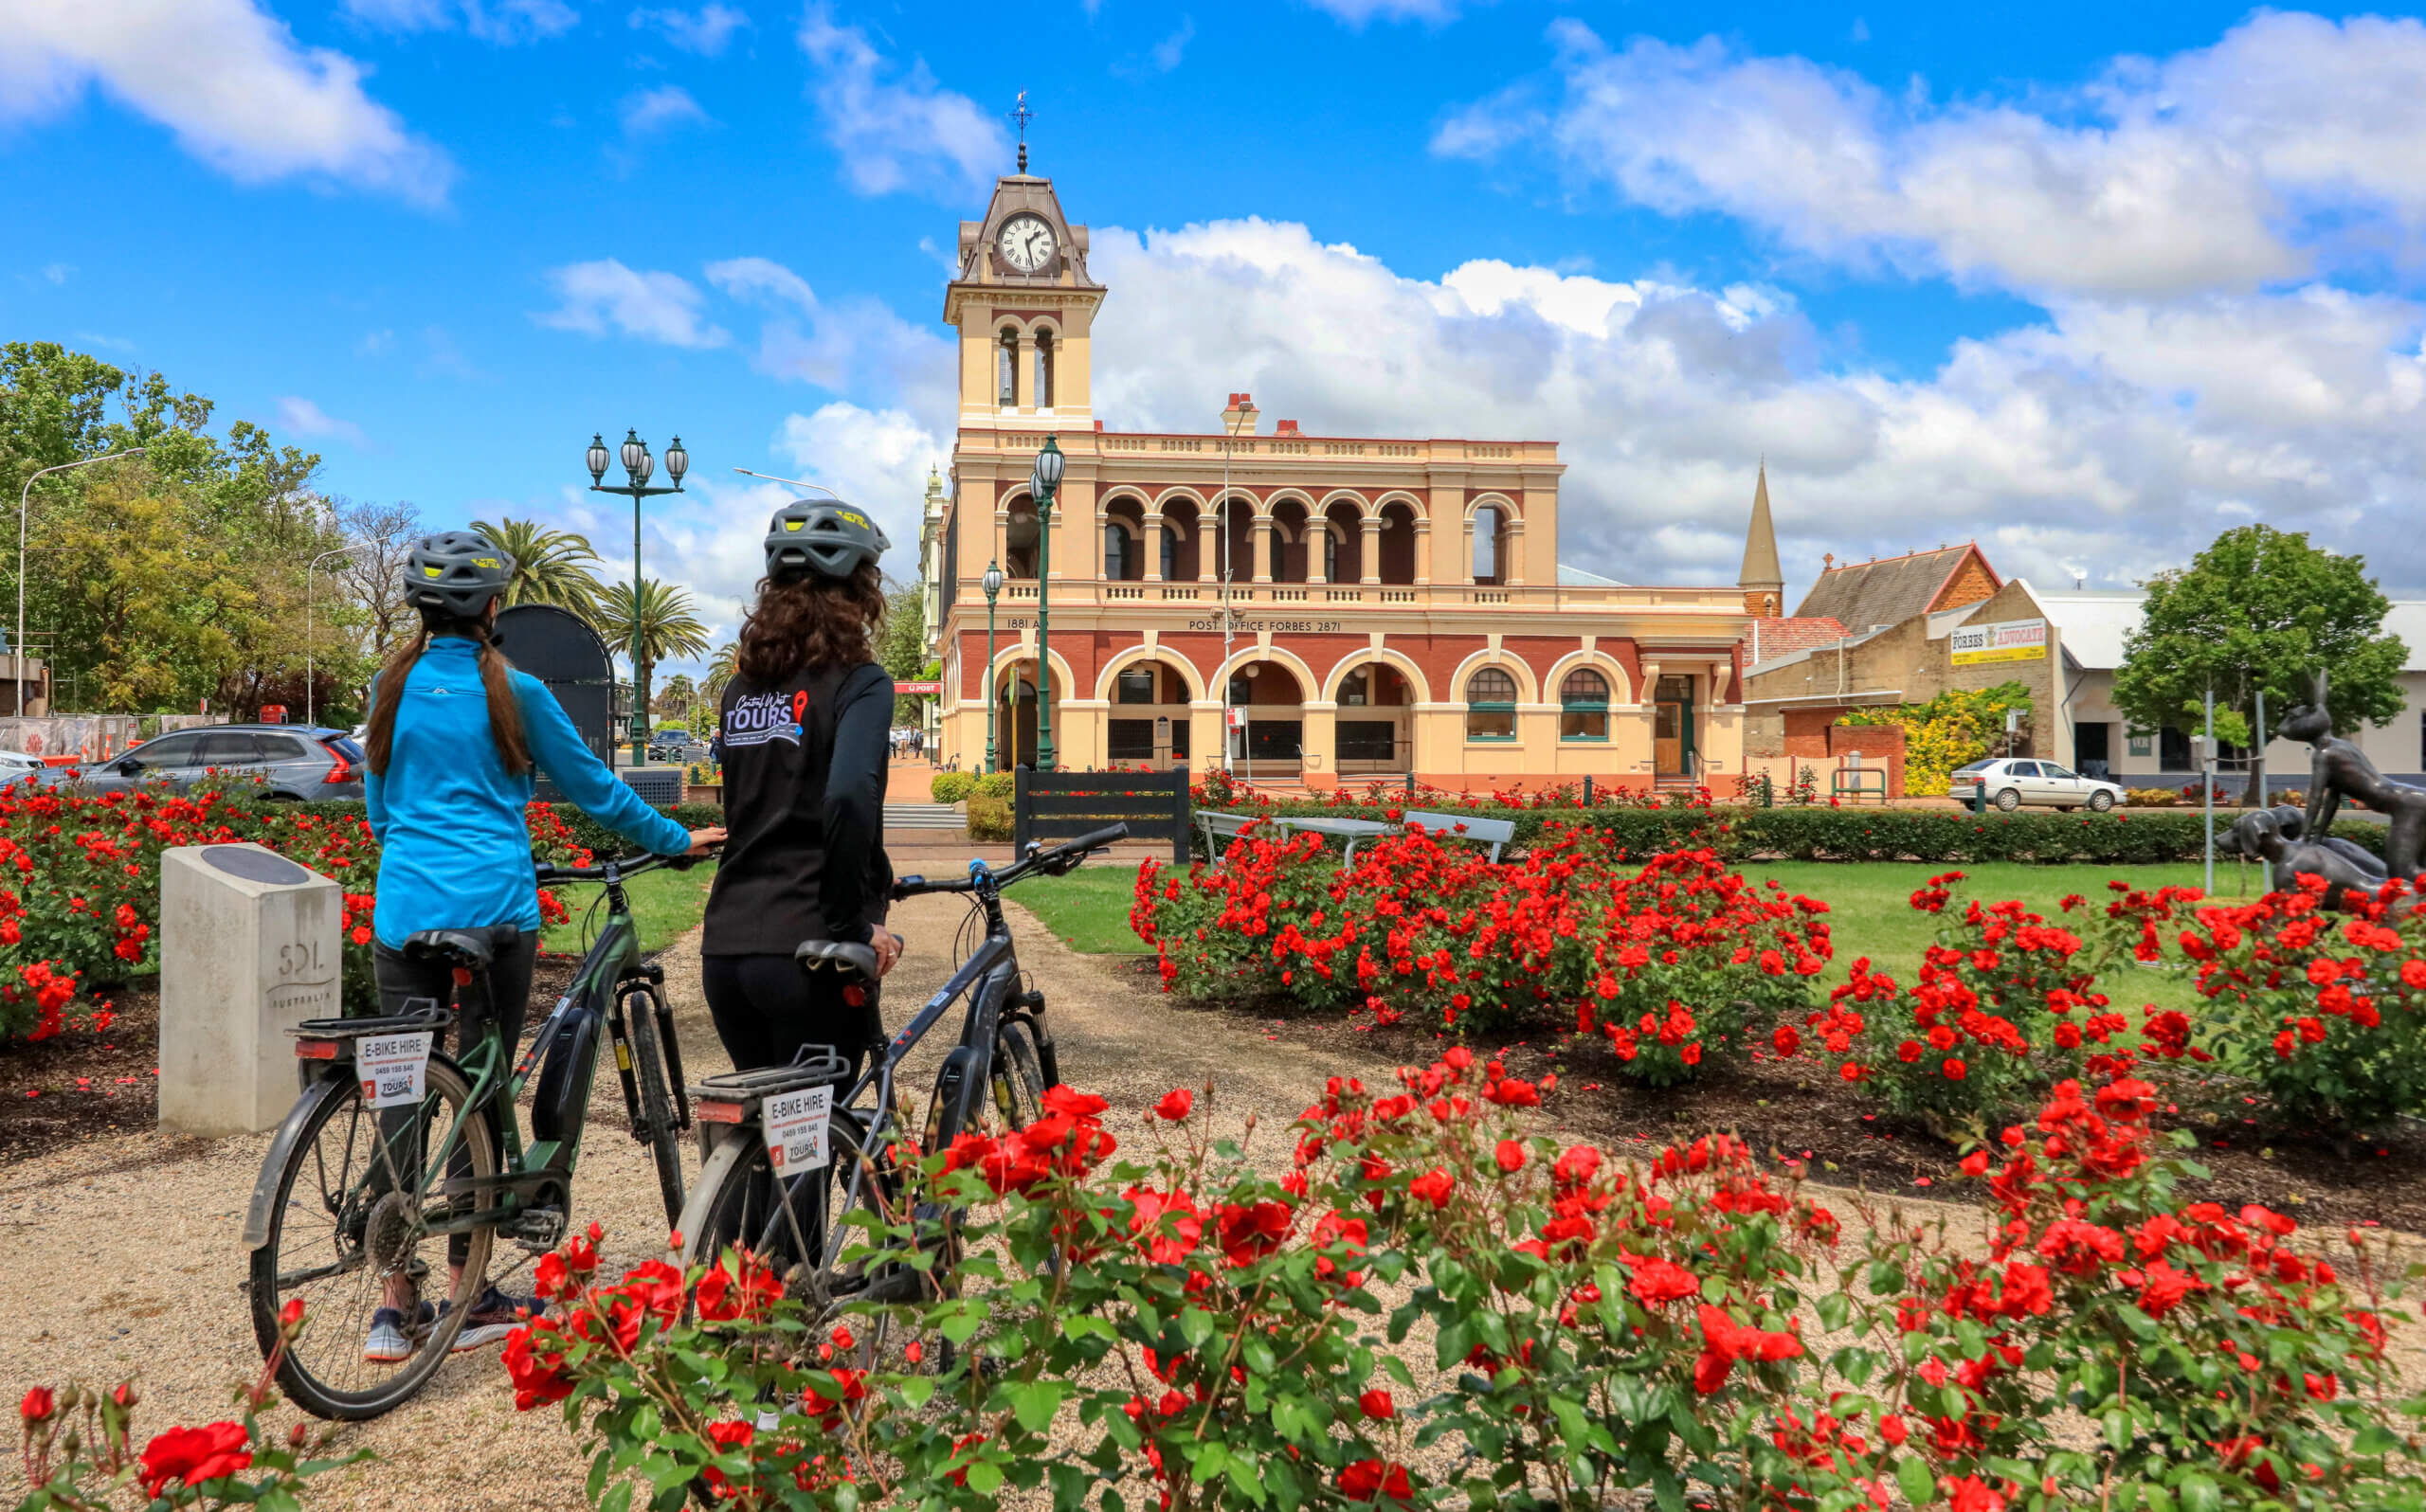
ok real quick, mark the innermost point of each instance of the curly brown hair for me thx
(809, 623)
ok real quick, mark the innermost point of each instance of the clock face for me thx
(1026, 243)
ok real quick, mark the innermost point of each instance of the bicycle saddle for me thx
(840, 954)
(465, 948)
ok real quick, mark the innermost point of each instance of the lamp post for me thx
(1238, 415)
(17, 647)
(1047, 477)
(309, 568)
(638, 466)
(993, 582)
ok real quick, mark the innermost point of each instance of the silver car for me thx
(289, 761)
(2010, 782)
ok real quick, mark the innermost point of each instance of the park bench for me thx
(1492, 832)
(1220, 830)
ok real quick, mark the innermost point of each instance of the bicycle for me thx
(353, 1193)
(817, 1218)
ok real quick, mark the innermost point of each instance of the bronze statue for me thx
(2340, 769)
(2273, 836)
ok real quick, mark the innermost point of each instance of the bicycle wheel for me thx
(657, 1104)
(1018, 1076)
(818, 1240)
(348, 1235)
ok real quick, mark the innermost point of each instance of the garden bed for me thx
(1796, 1110)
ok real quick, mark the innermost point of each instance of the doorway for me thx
(1672, 727)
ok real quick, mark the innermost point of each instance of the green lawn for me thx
(1870, 911)
(664, 903)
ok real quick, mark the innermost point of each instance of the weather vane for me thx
(1020, 114)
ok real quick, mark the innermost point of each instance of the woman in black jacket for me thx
(803, 730)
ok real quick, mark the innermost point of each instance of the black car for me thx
(290, 762)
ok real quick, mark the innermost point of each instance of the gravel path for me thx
(124, 1261)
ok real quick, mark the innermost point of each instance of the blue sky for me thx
(2087, 283)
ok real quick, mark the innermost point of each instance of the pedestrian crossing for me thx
(923, 817)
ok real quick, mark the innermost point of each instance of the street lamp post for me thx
(17, 647)
(1047, 477)
(309, 568)
(638, 466)
(993, 582)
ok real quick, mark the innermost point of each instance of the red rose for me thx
(1432, 1186)
(1374, 1481)
(1378, 1406)
(38, 1404)
(1175, 1105)
(194, 1455)
(1511, 1156)
(1955, 1069)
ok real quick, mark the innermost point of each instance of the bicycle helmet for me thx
(824, 537)
(456, 573)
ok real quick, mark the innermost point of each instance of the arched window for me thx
(1490, 705)
(1044, 369)
(1170, 549)
(1583, 706)
(1331, 553)
(1006, 368)
(1356, 688)
(1115, 552)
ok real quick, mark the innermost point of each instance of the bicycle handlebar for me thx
(627, 867)
(1058, 861)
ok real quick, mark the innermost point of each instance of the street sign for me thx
(914, 689)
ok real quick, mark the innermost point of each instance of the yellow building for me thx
(1353, 607)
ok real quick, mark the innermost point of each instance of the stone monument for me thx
(248, 948)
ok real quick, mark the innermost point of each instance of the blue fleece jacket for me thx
(453, 849)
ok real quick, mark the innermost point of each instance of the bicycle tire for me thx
(656, 1104)
(1018, 1074)
(730, 1207)
(303, 1372)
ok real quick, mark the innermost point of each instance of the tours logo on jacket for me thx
(757, 718)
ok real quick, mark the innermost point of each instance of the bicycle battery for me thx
(563, 1093)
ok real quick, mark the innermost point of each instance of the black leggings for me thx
(401, 978)
(768, 1006)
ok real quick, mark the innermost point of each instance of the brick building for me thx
(1352, 608)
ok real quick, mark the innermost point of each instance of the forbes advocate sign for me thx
(2011, 641)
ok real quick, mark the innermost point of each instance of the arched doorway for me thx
(1268, 731)
(1015, 717)
(1375, 733)
(1148, 726)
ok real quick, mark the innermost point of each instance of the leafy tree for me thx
(677, 699)
(2259, 610)
(669, 629)
(721, 668)
(550, 566)
(901, 644)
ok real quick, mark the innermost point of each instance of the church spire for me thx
(1762, 580)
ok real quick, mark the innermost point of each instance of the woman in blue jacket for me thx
(455, 737)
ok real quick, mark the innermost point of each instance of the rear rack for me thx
(817, 1065)
(433, 1017)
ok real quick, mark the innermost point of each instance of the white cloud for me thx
(751, 278)
(704, 31)
(659, 109)
(58, 272)
(857, 345)
(894, 127)
(2110, 440)
(376, 343)
(661, 307)
(229, 78)
(2220, 168)
(1167, 52)
(1357, 13)
(875, 459)
(305, 418)
(494, 21)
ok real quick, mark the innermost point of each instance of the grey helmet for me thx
(824, 536)
(456, 573)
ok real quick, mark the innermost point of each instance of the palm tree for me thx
(681, 695)
(550, 566)
(722, 667)
(668, 629)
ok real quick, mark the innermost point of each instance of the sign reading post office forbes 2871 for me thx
(2011, 641)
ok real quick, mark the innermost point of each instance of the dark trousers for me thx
(767, 1007)
(401, 978)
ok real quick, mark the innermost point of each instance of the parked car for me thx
(682, 748)
(14, 762)
(291, 762)
(2010, 782)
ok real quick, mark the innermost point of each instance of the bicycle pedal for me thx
(538, 1230)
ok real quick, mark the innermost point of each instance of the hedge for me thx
(587, 832)
(1928, 835)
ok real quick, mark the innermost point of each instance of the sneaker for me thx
(493, 1315)
(388, 1342)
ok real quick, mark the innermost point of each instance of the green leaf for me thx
(916, 1389)
(2374, 1439)
(617, 1500)
(985, 1477)
(1913, 1474)
(1035, 1402)
(1196, 1325)
(2200, 1494)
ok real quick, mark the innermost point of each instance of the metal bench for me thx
(1490, 832)
(1220, 830)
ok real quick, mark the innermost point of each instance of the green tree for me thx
(721, 668)
(2259, 610)
(677, 698)
(669, 630)
(550, 566)
(901, 644)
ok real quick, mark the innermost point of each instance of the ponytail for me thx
(505, 713)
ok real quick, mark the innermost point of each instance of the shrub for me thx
(952, 788)
(2152, 797)
(1593, 1332)
(1667, 958)
(998, 785)
(989, 817)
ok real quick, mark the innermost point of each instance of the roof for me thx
(1575, 576)
(1888, 591)
(2093, 621)
(1772, 660)
(1761, 569)
(1772, 639)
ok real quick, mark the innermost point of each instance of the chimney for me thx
(1828, 561)
(1239, 420)
(1286, 428)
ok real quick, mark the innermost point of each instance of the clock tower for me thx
(1024, 303)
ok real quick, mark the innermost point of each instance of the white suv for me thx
(2012, 780)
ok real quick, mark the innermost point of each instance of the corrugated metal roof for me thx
(1575, 576)
(2093, 621)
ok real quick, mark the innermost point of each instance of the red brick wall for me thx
(1877, 743)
